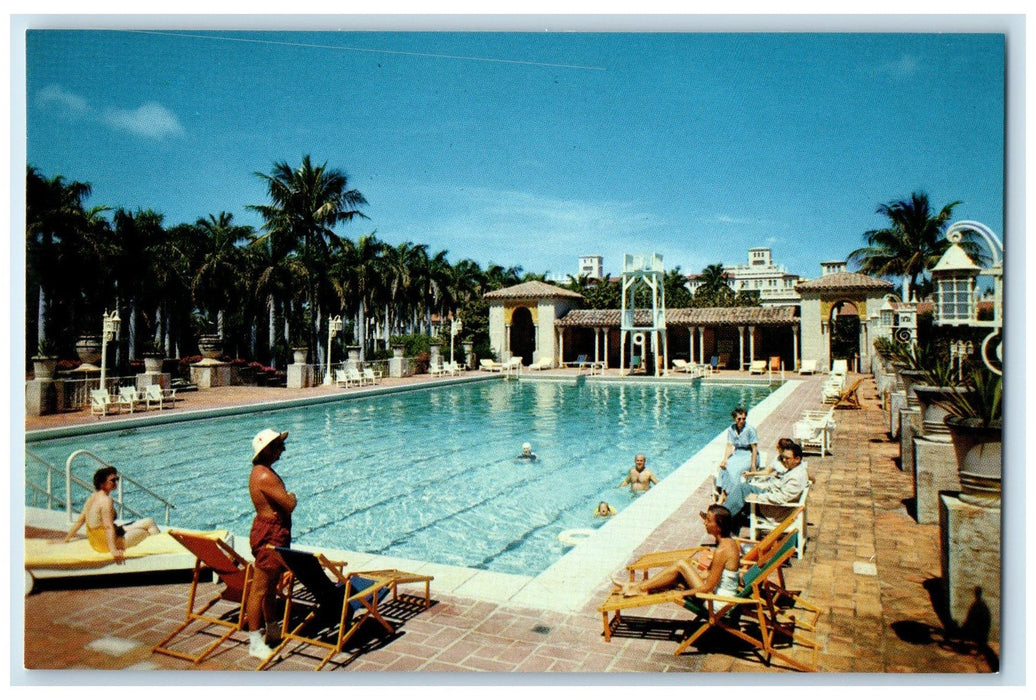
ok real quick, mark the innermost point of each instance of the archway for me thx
(845, 332)
(523, 334)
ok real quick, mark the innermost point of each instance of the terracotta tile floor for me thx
(874, 623)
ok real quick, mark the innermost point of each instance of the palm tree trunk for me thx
(41, 318)
(271, 327)
(361, 326)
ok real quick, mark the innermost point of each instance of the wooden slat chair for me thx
(763, 516)
(778, 611)
(849, 397)
(338, 602)
(235, 575)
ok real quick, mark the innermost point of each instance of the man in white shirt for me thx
(781, 488)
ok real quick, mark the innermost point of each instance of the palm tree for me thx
(306, 204)
(53, 216)
(911, 244)
(218, 282)
(357, 273)
(136, 236)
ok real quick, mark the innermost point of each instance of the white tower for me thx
(640, 272)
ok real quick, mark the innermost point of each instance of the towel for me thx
(78, 554)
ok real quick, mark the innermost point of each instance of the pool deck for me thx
(867, 562)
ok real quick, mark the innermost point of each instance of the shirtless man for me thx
(99, 517)
(639, 478)
(272, 525)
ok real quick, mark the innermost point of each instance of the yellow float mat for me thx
(78, 554)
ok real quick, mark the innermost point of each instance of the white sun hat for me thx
(264, 438)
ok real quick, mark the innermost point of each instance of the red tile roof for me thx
(533, 289)
(843, 280)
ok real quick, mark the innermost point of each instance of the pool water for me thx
(430, 474)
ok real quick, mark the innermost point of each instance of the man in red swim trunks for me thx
(272, 525)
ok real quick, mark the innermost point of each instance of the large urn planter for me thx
(911, 378)
(210, 346)
(153, 363)
(979, 462)
(43, 367)
(933, 401)
(88, 347)
(301, 354)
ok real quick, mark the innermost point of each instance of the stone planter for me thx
(932, 400)
(397, 351)
(153, 363)
(979, 460)
(911, 378)
(300, 354)
(210, 346)
(43, 367)
(468, 346)
(88, 347)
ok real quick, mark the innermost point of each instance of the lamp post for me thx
(334, 325)
(109, 331)
(455, 328)
(955, 275)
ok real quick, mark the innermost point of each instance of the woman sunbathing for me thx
(722, 575)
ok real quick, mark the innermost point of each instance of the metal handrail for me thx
(69, 479)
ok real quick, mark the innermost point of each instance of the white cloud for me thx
(151, 120)
(58, 96)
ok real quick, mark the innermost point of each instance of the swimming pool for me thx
(429, 474)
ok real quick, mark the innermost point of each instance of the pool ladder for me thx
(53, 501)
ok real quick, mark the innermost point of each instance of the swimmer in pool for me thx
(527, 453)
(604, 510)
(640, 478)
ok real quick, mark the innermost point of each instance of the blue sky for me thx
(534, 148)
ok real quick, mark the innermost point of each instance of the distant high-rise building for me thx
(592, 266)
(776, 286)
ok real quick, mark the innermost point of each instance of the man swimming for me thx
(640, 477)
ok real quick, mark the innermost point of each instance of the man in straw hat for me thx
(272, 525)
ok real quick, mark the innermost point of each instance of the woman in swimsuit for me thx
(99, 517)
(722, 575)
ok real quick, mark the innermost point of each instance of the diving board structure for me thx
(643, 277)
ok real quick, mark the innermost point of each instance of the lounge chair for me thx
(155, 395)
(808, 367)
(580, 361)
(814, 429)
(487, 365)
(352, 376)
(129, 398)
(236, 576)
(775, 363)
(722, 612)
(714, 363)
(542, 363)
(338, 602)
(757, 367)
(370, 376)
(636, 364)
(840, 367)
(849, 397)
(340, 378)
(763, 516)
(102, 403)
(684, 366)
(436, 369)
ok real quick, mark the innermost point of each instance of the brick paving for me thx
(867, 562)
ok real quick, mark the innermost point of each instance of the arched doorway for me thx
(845, 332)
(523, 334)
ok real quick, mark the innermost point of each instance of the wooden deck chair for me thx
(848, 397)
(752, 552)
(235, 575)
(761, 596)
(723, 612)
(338, 602)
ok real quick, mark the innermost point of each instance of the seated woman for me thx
(99, 517)
(722, 575)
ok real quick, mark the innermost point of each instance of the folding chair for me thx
(236, 576)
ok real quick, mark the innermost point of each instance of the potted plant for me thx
(45, 360)
(938, 385)
(154, 355)
(975, 423)
(88, 347)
